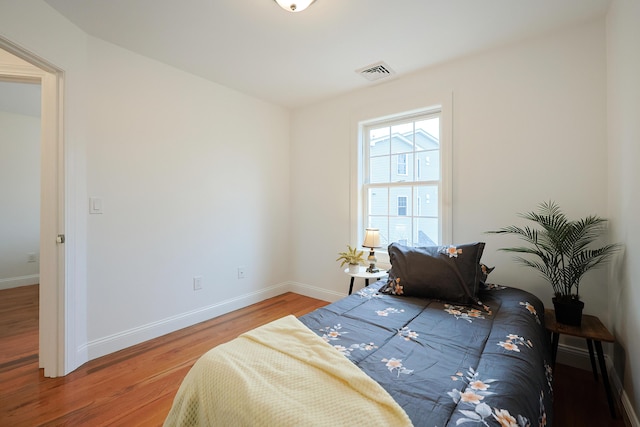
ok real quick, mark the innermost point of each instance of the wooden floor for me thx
(579, 401)
(136, 386)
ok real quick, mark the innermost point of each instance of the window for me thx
(404, 179)
(402, 205)
(402, 164)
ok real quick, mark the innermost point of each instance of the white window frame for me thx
(382, 112)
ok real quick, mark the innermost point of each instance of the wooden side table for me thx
(362, 274)
(594, 332)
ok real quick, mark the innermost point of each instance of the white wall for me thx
(194, 180)
(624, 152)
(528, 126)
(19, 194)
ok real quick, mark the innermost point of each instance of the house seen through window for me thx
(402, 179)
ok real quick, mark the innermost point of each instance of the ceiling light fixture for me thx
(294, 5)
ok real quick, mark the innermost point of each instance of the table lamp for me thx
(371, 241)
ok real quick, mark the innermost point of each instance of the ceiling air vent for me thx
(376, 71)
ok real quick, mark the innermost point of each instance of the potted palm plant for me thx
(561, 251)
(353, 257)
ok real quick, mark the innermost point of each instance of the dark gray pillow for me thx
(448, 273)
(484, 273)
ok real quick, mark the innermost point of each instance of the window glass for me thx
(401, 164)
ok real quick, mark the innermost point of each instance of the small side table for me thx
(362, 274)
(593, 331)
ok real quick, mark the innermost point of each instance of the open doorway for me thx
(19, 183)
(19, 217)
(22, 67)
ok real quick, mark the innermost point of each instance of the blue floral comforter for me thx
(449, 365)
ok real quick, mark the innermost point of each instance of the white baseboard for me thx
(574, 356)
(628, 409)
(579, 358)
(315, 292)
(112, 343)
(16, 282)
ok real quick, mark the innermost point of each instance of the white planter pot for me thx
(354, 268)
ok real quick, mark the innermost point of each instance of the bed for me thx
(478, 354)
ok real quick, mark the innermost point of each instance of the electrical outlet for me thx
(242, 272)
(197, 283)
(31, 257)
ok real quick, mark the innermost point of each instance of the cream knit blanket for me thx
(281, 374)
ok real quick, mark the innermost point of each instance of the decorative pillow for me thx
(449, 273)
(484, 273)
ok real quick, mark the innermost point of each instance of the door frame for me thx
(56, 328)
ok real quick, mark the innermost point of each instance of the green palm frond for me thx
(559, 246)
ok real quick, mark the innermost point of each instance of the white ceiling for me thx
(295, 59)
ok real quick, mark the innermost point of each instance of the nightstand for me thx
(362, 274)
(594, 332)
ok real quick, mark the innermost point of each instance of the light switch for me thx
(95, 205)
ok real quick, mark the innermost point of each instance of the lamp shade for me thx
(294, 5)
(371, 238)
